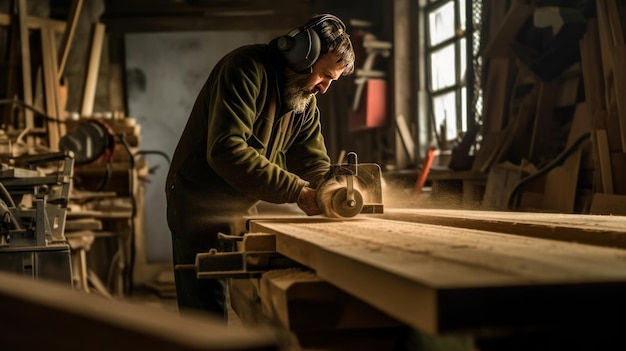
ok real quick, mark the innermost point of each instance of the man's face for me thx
(301, 87)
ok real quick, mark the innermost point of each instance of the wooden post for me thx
(68, 36)
(93, 67)
(26, 73)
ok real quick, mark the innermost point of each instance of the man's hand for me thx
(308, 201)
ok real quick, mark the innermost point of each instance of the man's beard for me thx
(296, 95)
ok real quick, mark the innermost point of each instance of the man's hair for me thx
(335, 40)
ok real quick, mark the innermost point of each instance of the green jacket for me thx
(240, 145)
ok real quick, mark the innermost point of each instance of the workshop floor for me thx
(148, 297)
(163, 296)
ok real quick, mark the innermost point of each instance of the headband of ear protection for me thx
(302, 46)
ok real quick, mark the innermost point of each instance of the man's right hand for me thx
(308, 201)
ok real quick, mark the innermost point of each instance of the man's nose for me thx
(324, 85)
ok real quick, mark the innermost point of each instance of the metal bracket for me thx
(257, 256)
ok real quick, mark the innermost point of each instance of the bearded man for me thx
(253, 135)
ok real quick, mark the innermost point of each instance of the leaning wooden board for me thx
(601, 230)
(442, 279)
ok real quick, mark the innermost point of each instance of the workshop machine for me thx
(33, 208)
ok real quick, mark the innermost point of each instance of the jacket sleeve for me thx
(240, 87)
(308, 157)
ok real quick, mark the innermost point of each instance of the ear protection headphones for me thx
(302, 46)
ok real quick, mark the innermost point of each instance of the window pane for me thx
(444, 109)
(462, 14)
(441, 23)
(463, 60)
(464, 109)
(443, 70)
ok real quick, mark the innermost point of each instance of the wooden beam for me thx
(93, 67)
(68, 36)
(301, 301)
(608, 204)
(543, 117)
(51, 88)
(516, 17)
(35, 22)
(425, 275)
(604, 159)
(27, 80)
(50, 316)
(619, 72)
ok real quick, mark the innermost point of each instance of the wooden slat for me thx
(591, 61)
(42, 315)
(606, 42)
(608, 204)
(499, 45)
(68, 36)
(301, 301)
(604, 159)
(543, 116)
(619, 75)
(29, 117)
(424, 275)
(562, 181)
(91, 78)
(35, 22)
(51, 87)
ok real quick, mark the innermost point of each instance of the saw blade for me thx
(341, 207)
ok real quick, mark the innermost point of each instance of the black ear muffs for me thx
(302, 46)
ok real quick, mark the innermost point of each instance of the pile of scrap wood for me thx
(554, 127)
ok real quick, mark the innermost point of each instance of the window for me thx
(452, 77)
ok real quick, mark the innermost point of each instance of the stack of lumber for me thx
(603, 52)
(558, 144)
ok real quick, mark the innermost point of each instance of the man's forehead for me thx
(331, 62)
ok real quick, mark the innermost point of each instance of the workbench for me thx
(477, 274)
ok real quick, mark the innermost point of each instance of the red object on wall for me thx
(372, 109)
(421, 179)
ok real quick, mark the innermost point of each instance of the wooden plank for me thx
(609, 231)
(35, 22)
(64, 319)
(301, 301)
(618, 171)
(501, 181)
(567, 92)
(591, 61)
(91, 78)
(405, 135)
(27, 80)
(606, 42)
(423, 275)
(516, 17)
(615, 25)
(608, 204)
(68, 36)
(497, 94)
(51, 87)
(543, 116)
(604, 159)
(619, 72)
(562, 182)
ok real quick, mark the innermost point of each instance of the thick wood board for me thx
(600, 230)
(444, 279)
